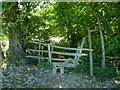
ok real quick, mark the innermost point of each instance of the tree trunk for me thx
(102, 44)
(1, 57)
(12, 18)
(16, 54)
(101, 35)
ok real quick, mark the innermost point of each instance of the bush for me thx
(105, 74)
(82, 68)
(100, 73)
(45, 64)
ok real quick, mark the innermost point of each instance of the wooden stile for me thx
(61, 63)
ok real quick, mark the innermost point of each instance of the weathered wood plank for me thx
(79, 51)
(57, 59)
(49, 52)
(71, 48)
(42, 51)
(90, 52)
(70, 54)
(60, 63)
(32, 56)
(61, 70)
(37, 57)
(65, 63)
(38, 50)
(54, 70)
(44, 58)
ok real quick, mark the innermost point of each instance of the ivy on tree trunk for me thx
(12, 18)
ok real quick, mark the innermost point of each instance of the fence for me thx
(65, 62)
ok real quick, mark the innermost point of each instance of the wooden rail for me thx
(65, 62)
(63, 53)
(70, 54)
(68, 48)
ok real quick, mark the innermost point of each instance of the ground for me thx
(31, 76)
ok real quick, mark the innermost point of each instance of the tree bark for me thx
(16, 54)
(1, 57)
(101, 35)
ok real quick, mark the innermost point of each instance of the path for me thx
(31, 76)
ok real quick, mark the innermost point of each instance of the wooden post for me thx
(79, 51)
(49, 53)
(39, 52)
(90, 52)
(102, 44)
(61, 70)
(42, 52)
(54, 70)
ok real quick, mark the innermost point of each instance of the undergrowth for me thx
(100, 73)
(47, 64)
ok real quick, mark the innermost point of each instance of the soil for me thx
(31, 76)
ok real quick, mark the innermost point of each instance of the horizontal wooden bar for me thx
(36, 57)
(44, 58)
(68, 48)
(32, 56)
(57, 59)
(70, 54)
(38, 50)
(60, 64)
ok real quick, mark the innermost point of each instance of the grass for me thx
(45, 64)
(101, 74)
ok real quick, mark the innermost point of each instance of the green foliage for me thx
(67, 19)
(82, 68)
(100, 73)
(45, 64)
(118, 74)
(41, 64)
(64, 19)
(48, 65)
(105, 74)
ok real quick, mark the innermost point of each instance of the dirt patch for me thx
(34, 77)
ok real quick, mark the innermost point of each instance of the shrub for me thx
(45, 64)
(100, 73)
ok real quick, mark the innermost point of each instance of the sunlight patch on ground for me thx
(60, 86)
